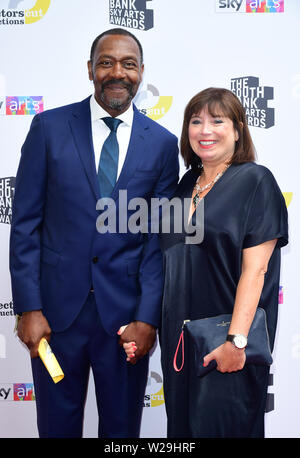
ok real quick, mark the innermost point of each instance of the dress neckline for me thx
(215, 186)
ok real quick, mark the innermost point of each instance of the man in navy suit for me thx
(71, 284)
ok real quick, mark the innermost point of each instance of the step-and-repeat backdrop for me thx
(248, 46)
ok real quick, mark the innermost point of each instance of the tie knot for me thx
(112, 123)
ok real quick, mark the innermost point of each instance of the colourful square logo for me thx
(264, 6)
(24, 392)
(24, 105)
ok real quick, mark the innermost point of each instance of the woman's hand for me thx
(254, 266)
(129, 347)
(228, 358)
(140, 333)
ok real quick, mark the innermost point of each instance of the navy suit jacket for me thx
(56, 252)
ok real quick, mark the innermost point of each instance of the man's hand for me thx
(142, 334)
(31, 328)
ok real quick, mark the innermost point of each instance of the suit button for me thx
(95, 259)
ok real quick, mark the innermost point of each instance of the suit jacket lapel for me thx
(80, 123)
(135, 151)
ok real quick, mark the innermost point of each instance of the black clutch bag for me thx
(209, 333)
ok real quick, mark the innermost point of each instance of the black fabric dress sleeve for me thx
(267, 217)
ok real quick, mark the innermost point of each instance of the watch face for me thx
(240, 341)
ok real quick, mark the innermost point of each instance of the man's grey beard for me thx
(116, 104)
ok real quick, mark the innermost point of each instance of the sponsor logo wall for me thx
(13, 14)
(43, 55)
(7, 189)
(250, 6)
(24, 105)
(17, 392)
(254, 99)
(133, 14)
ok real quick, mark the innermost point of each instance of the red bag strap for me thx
(180, 341)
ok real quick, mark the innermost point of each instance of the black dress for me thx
(244, 208)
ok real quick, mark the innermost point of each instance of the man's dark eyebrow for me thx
(108, 56)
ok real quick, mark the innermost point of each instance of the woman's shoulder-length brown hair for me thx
(219, 102)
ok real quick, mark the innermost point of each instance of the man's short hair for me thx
(116, 32)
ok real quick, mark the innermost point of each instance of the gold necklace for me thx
(199, 189)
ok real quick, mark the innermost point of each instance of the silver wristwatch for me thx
(238, 340)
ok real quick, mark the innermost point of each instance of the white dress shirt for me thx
(100, 131)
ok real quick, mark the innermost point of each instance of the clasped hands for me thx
(137, 339)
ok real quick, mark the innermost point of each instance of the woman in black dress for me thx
(234, 269)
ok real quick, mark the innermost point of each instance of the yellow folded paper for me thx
(50, 361)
